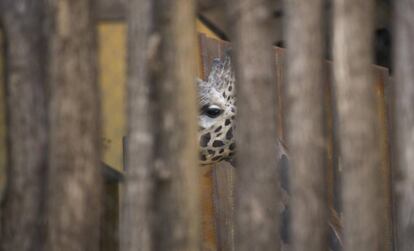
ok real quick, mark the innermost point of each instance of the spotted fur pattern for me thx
(216, 132)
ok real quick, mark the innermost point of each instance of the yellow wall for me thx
(112, 69)
(201, 28)
(112, 64)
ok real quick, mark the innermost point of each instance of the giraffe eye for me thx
(213, 111)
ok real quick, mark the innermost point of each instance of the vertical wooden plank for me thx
(109, 234)
(393, 165)
(111, 9)
(75, 174)
(332, 170)
(329, 117)
(222, 175)
(380, 84)
(23, 209)
(209, 234)
(209, 224)
(224, 204)
(404, 120)
(257, 196)
(305, 124)
(109, 228)
(177, 225)
(136, 225)
(359, 126)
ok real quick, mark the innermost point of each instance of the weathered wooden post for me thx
(162, 188)
(359, 126)
(257, 190)
(136, 212)
(177, 225)
(306, 139)
(75, 176)
(23, 209)
(404, 120)
(3, 127)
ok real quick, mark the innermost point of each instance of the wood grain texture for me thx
(256, 194)
(404, 120)
(305, 124)
(224, 205)
(209, 224)
(75, 180)
(3, 127)
(136, 224)
(222, 174)
(359, 126)
(23, 225)
(109, 226)
(381, 84)
(176, 205)
(224, 192)
(111, 9)
(116, 9)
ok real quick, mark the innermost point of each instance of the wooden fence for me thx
(348, 130)
(224, 175)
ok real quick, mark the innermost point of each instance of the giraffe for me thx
(217, 113)
(216, 121)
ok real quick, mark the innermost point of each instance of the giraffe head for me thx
(217, 113)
